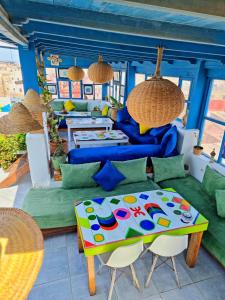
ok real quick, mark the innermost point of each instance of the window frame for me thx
(204, 117)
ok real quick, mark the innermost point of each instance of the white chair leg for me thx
(175, 270)
(151, 271)
(112, 284)
(135, 279)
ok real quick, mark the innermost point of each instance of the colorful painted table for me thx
(99, 137)
(107, 223)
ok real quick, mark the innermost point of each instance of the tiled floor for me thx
(64, 277)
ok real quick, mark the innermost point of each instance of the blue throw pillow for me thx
(169, 142)
(160, 131)
(133, 122)
(123, 115)
(108, 177)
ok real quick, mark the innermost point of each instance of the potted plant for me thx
(197, 150)
(116, 105)
(59, 156)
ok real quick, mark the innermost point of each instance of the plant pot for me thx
(53, 146)
(114, 113)
(197, 150)
(57, 160)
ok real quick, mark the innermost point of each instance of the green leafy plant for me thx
(10, 145)
(115, 103)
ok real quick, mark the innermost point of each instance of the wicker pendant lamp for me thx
(75, 73)
(18, 120)
(156, 101)
(100, 72)
(21, 253)
(32, 101)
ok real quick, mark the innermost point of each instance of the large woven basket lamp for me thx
(18, 120)
(75, 73)
(32, 101)
(156, 101)
(21, 253)
(100, 72)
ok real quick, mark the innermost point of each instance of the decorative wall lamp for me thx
(100, 72)
(156, 101)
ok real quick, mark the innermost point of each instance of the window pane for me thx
(123, 78)
(173, 79)
(116, 76)
(64, 89)
(50, 75)
(212, 137)
(139, 78)
(216, 107)
(98, 91)
(185, 87)
(86, 79)
(184, 111)
(76, 90)
(122, 90)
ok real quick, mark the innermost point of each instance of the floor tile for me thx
(55, 242)
(125, 288)
(206, 267)
(56, 290)
(80, 287)
(71, 239)
(213, 288)
(188, 292)
(77, 262)
(55, 266)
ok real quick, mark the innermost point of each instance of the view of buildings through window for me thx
(214, 121)
(11, 83)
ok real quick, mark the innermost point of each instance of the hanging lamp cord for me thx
(158, 63)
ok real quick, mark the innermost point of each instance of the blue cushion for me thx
(169, 142)
(133, 122)
(108, 177)
(85, 155)
(160, 131)
(123, 115)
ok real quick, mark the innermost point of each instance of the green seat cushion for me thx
(134, 170)
(192, 191)
(212, 181)
(54, 207)
(78, 176)
(166, 168)
(57, 105)
(79, 106)
(220, 203)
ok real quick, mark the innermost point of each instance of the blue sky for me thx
(9, 55)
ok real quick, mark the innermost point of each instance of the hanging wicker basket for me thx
(100, 72)
(75, 73)
(156, 101)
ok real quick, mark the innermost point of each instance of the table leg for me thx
(91, 275)
(79, 241)
(193, 248)
(69, 133)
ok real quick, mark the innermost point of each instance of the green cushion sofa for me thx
(191, 190)
(53, 207)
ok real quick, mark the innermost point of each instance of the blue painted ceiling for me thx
(123, 30)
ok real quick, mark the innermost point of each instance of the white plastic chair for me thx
(167, 246)
(122, 257)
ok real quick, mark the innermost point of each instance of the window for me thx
(213, 126)
(139, 78)
(76, 89)
(185, 86)
(51, 75)
(98, 91)
(64, 89)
